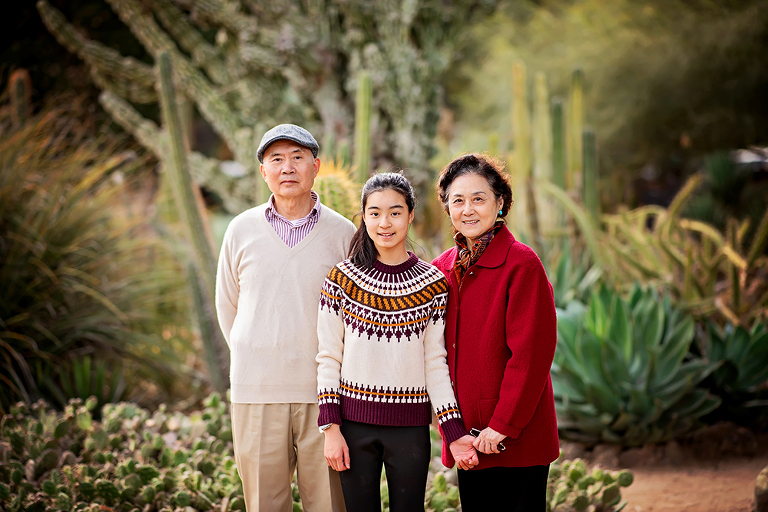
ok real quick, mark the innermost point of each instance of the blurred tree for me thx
(668, 80)
(247, 65)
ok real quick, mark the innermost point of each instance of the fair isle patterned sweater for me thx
(381, 356)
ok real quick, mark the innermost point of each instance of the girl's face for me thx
(387, 219)
(472, 205)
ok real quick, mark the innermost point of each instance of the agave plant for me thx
(622, 371)
(573, 277)
(744, 369)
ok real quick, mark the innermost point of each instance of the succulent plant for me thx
(622, 371)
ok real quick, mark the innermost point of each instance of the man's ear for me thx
(263, 172)
(317, 167)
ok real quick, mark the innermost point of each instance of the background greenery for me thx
(653, 234)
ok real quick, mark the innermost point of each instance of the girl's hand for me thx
(336, 450)
(488, 440)
(464, 453)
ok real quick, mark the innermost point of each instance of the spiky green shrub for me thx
(622, 371)
(572, 277)
(739, 380)
(80, 275)
(130, 460)
(573, 487)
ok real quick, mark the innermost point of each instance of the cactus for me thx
(188, 207)
(558, 144)
(336, 189)
(573, 486)
(292, 67)
(575, 131)
(363, 127)
(590, 179)
(20, 87)
(522, 175)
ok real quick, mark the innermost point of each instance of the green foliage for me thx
(250, 66)
(622, 373)
(740, 379)
(82, 276)
(708, 272)
(336, 189)
(728, 190)
(129, 460)
(572, 487)
(572, 277)
(202, 271)
(363, 127)
(671, 77)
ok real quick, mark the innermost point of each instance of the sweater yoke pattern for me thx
(393, 308)
(386, 306)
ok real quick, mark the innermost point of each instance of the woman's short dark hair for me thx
(491, 169)
(362, 250)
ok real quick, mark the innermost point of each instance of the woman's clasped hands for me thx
(488, 441)
(464, 453)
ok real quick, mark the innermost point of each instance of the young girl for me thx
(382, 358)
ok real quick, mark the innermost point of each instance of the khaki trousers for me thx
(272, 441)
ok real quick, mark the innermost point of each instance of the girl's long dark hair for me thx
(362, 250)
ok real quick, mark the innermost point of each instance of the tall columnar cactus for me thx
(558, 143)
(363, 127)
(575, 131)
(279, 61)
(542, 150)
(590, 179)
(20, 88)
(177, 170)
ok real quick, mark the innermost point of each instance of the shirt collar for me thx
(271, 212)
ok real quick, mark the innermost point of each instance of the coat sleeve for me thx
(531, 335)
(330, 335)
(438, 378)
(227, 286)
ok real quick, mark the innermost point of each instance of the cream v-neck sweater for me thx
(267, 297)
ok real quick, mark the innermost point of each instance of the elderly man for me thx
(273, 261)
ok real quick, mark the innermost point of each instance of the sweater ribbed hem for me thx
(452, 430)
(388, 414)
(329, 413)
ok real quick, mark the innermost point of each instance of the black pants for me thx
(405, 454)
(509, 489)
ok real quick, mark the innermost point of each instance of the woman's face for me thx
(387, 219)
(472, 205)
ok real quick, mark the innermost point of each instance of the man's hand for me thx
(464, 452)
(488, 440)
(336, 450)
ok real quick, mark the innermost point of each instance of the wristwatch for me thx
(325, 427)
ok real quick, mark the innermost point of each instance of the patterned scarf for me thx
(468, 256)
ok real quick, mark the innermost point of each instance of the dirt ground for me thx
(721, 486)
(712, 470)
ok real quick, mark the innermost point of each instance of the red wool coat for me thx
(501, 332)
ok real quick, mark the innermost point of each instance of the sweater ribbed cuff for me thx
(452, 430)
(329, 413)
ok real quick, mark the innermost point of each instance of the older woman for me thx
(501, 335)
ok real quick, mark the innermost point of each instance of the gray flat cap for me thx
(290, 132)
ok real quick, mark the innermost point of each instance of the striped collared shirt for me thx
(293, 231)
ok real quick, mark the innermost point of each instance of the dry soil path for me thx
(701, 486)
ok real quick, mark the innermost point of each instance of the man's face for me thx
(289, 169)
